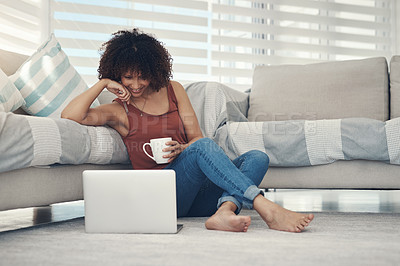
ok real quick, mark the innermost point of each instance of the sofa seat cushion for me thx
(331, 90)
(356, 174)
(42, 186)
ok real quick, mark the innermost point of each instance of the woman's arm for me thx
(187, 114)
(79, 108)
(189, 119)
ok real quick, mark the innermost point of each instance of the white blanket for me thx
(35, 141)
(291, 143)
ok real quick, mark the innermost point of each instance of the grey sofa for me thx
(355, 88)
(41, 185)
(293, 92)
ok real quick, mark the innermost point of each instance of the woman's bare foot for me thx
(279, 218)
(225, 219)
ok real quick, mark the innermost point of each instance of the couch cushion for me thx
(395, 87)
(47, 81)
(10, 97)
(10, 62)
(34, 186)
(355, 174)
(353, 88)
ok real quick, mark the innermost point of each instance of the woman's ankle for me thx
(228, 206)
(259, 202)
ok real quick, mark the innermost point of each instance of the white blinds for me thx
(218, 40)
(82, 26)
(21, 25)
(248, 33)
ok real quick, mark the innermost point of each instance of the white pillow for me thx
(10, 97)
(47, 81)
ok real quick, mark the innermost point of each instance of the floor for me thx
(375, 201)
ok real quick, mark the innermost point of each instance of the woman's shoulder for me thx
(179, 90)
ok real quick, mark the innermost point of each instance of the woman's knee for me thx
(206, 144)
(260, 162)
(263, 159)
(259, 157)
(203, 141)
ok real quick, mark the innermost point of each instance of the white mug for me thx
(157, 145)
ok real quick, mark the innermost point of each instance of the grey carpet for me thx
(332, 239)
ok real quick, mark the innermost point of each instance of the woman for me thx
(137, 69)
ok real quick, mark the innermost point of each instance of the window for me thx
(82, 26)
(215, 40)
(22, 29)
(270, 32)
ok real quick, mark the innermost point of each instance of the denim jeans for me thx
(206, 178)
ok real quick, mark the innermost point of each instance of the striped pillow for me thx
(47, 81)
(10, 98)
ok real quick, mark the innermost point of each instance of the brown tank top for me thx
(146, 127)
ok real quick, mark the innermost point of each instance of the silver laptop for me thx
(130, 201)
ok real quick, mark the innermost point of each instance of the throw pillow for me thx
(10, 97)
(47, 81)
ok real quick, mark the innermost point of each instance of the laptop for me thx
(130, 201)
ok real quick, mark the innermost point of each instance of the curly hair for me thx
(133, 50)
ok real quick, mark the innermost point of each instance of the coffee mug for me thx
(157, 145)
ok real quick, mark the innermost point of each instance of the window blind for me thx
(270, 32)
(214, 40)
(82, 26)
(21, 25)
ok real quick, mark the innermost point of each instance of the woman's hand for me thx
(118, 89)
(176, 148)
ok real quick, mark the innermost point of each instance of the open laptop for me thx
(130, 201)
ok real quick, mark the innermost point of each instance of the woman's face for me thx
(134, 83)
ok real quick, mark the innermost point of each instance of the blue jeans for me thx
(206, 178)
